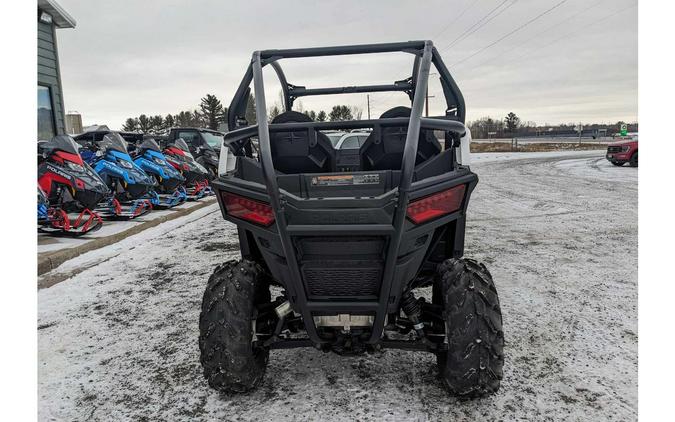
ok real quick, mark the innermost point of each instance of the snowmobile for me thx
(42, 206)
(178, 155)
(68, 189)
(130, 185)
(168, 191)
(348, 237)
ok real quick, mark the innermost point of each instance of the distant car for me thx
(624, 151)
(349, 140)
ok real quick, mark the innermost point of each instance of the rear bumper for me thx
(341, 245)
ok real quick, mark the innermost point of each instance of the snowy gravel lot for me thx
(118, 341)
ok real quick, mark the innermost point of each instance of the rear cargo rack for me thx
(376, 298)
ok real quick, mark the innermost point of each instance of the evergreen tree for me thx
(321, 116)
(512, 122)
(212, 111)
(340, 113)
(274, 112)
(169, 121)
(156, 123)
(250, 110)
(130, 125)
(143, 123)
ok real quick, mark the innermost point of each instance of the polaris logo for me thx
(341, 218)
(59, 172)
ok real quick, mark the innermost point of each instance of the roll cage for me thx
(454, 100)
(239, 137)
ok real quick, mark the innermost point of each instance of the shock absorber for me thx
(413, 309)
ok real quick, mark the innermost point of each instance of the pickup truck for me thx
(624, 151)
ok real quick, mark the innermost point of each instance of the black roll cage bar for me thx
(415, 86)
(455, 106)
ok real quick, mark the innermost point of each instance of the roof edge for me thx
(60, 17)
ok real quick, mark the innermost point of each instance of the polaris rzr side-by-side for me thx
(349, 236)
(179, 156)
(68, 189)
(130, 185)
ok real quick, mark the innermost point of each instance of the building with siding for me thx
(73, 123)
(51, 119)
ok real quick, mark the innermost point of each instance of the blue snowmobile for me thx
(130, 185)
(169, 190)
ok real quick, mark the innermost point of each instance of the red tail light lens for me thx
(247, 209)
(436, 205)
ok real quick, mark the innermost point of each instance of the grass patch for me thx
(535, 147)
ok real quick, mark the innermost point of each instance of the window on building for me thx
(46, 129)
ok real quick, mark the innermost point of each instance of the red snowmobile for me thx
(72, 187)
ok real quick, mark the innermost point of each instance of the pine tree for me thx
(321, 116)
(130, 125)
(274, 112)
(143, 123)
(340, 113)
(212, 111)
(169, 121)
(250, 110)
(512, 122)
(156, 123)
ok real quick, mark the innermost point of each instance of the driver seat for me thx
(295, 152)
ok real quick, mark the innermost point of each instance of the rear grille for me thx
(616, 148)
(341, 267)
(340, 282)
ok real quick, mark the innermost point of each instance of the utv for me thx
(348, 235)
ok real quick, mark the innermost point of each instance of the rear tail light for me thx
(248, 209)
(436, 205)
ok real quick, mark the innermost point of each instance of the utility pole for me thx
(427, 96)
(580, 129)
(368, 101)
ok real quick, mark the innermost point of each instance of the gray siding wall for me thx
(48, 71)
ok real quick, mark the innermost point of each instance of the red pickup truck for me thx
(624, 151)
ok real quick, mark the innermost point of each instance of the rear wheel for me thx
(473, 363)
(230, 362)
(634, 160)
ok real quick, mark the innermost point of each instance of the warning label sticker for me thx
(346, 180)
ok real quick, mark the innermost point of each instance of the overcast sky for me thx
(576, 63)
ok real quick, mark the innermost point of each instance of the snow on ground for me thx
(118, 341)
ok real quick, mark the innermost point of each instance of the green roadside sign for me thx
(624, 129)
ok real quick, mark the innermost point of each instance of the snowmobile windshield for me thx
(180, 143)
(62, 143)
(115, 142)
(149, 144)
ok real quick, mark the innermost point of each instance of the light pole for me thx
(426, 98)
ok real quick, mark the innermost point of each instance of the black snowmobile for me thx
(196, 176)
(72, 189)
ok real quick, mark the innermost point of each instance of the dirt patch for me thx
(538, 147)
(218, 246)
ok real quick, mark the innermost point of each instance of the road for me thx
(118, 340)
